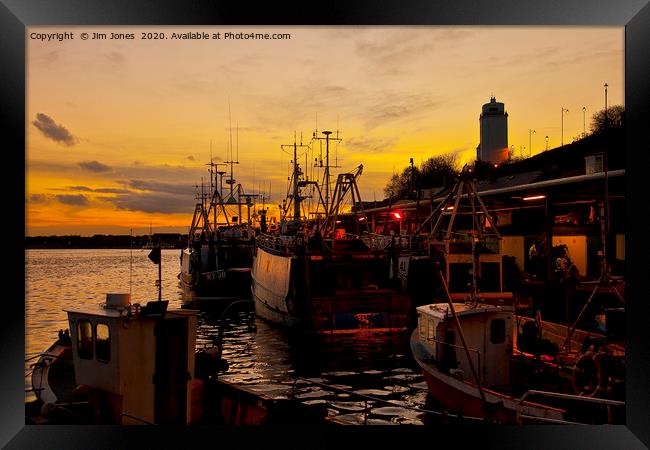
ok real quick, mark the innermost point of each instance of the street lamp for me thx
(584, 109)
(562, 138)
(606, 118)
(530, 147)
(546, 142)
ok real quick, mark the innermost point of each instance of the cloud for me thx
(191, 158)
(155, 196)
(73, 200)
(157, 186)
(38, 198)
(115, 58)
(111, 191)
(98, 190)
(94, 166)
(371, 144)
(399, 106)
(393, 53)
(50, 129)
(153, 203)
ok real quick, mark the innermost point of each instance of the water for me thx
(352, 376)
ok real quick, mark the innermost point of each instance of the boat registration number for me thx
(216, 275)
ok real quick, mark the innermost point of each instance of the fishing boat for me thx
(314, 276)
(127, 364)
(481, 358)
(51, 373)
(217, 260)
(506, 371)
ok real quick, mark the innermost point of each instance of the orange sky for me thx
(118, 132)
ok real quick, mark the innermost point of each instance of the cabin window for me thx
(102, 342)
(497, 331)
(85, 339)
(423, 326)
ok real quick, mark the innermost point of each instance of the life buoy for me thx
(588, 374)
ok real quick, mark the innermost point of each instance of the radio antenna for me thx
(230, 126)
(131, 266)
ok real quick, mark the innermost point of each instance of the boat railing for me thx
(278, 243)
(400, 242)
(472, 350)
(579, 398)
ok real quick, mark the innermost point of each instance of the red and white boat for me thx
(481, 359)
(52, 376)
(567, 386)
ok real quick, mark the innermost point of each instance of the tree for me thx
(613, 119)
(435, 171)
(399, 184)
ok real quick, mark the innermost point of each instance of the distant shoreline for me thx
(167, 240)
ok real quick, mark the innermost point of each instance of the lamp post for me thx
(530, 147)
(562, 138)
(546, 142)
(606, 118)
(584, 110)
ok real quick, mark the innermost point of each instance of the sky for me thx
(119, 132)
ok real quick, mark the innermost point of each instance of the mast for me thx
(326, 174)
(296, 198)
(230, 131)
(295, 195)
(327, 169)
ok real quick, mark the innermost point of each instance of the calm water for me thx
(261, 356)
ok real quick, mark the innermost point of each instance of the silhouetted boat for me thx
(315, 276)
(219, 254)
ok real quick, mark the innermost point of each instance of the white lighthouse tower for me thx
(494, 133)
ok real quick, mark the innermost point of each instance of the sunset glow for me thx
(119, 131)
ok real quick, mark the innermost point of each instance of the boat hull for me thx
(53, 374)
(278, 291)
(232, 281)
(464, 398)
(265, 311)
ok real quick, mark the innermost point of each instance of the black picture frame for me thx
(634, 15)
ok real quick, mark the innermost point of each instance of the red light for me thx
(397, 215)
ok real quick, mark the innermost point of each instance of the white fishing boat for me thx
(314, 276)
(481, 359)
(126, 364)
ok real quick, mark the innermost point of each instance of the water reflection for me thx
(335, 371)
(341, 371)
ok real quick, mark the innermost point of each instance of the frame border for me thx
(16, 15)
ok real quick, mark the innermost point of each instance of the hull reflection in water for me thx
(361, 378)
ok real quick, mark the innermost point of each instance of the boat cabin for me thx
(488, 333)
(138, 360)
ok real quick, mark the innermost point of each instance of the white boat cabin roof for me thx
(98, 311)
(441, 311)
